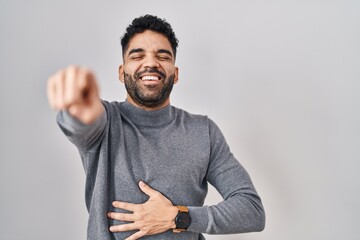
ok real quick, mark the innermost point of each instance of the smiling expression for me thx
(149, 70)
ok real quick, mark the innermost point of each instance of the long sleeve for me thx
(81, 135)
(241, 210)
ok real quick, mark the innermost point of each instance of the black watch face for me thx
(183, 220)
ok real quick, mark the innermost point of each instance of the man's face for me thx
(149, 70)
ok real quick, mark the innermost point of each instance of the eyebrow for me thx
(136, 50)
(164, 51)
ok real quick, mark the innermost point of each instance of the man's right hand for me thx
(75, 90)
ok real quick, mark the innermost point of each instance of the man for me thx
(148, 163)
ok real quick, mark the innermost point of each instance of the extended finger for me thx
(87, 85)
(126, 206)
(126, 217)
(123, 227)
(71, 92)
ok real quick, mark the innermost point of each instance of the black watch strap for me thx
(182, 219)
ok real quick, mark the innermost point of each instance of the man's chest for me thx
(173, 162)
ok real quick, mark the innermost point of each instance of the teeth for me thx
(150, 78)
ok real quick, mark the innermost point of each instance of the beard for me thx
(150, 95)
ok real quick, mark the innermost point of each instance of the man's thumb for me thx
(147, 189)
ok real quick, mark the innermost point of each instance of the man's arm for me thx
(240, 211)
(73, 91)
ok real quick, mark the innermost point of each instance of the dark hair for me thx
(149, 22)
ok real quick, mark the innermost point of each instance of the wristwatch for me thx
(182, 219)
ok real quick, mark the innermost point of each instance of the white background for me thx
(280, 78)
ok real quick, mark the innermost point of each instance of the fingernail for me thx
(142, 184)
(111, 228)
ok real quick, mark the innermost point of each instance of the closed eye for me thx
(164, 57)
(136, 57)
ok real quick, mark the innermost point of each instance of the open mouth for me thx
(150, 74)
(150, 78)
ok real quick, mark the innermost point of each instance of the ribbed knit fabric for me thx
(174, 152)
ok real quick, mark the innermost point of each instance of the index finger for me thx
(126, 206)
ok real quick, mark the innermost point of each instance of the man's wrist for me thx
(174, 211)
(182, 219)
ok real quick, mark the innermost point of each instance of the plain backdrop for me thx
(280, 78)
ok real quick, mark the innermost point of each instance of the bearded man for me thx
(148, 163)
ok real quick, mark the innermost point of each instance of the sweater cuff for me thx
(199, 219)
(71, 124)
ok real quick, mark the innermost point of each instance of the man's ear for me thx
(121, 73)
(176, 79)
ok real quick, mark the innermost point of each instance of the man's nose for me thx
(151, 62)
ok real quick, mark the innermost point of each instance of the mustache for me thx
(150, 70)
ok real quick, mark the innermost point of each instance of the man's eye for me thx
(164, 57)
(136, 57)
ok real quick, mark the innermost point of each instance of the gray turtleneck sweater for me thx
(177, 154)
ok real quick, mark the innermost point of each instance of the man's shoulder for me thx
(201, 119)
(112, 107)
(191, 117)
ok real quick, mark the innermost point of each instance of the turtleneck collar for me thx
(141, 117)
